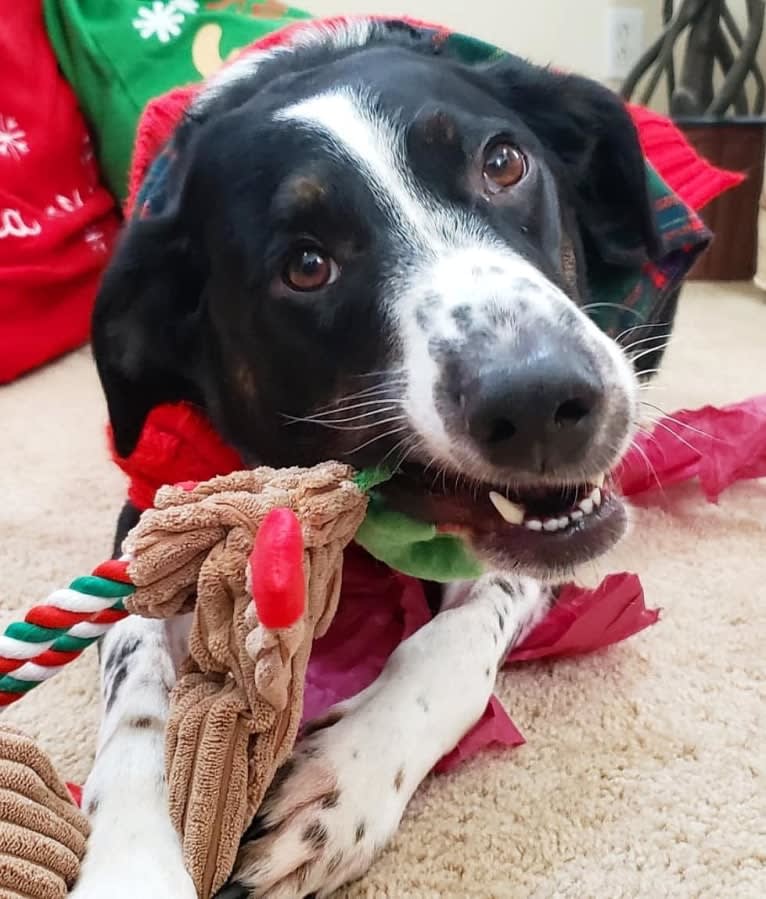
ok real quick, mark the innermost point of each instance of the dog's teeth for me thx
(511, 512)
(577, 515)
(596, 497)
(599, 481)
(586, 505)
(534, 524)
(552, 524)
(563, 522)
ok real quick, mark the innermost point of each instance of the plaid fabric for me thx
(621, 297)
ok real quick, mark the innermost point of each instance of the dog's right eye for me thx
(504, 166)
(309, 268)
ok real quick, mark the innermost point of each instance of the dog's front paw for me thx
(331, 808)
(133, 853)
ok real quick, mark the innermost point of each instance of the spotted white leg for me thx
(133, 850)
(340, 798)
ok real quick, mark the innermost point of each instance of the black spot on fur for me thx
(92, 806)
(321, 723)
(463, 317)
(507, 588)
(146, 722)
(258, 828)
(422, 318)
(233, 891)
(399, 779)
(316, 834)
(334, 863)
(423, 703)
(361, 829)
(501, 620)
(331, 799)
(121, 653)
(114, 687)
(488, 672)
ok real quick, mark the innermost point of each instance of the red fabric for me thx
(694, 179)
(57, 223)
(177, 444)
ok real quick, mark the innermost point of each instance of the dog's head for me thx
(375, 253)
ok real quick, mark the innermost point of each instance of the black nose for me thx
(537, 415)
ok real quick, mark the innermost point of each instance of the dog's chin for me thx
(543, 531)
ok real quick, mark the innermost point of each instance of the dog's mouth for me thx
(542, 529)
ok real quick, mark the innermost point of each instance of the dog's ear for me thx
(589, 135)
(144, 330)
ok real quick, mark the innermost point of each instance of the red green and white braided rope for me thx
(55, 632)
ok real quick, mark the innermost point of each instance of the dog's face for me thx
(378, 255)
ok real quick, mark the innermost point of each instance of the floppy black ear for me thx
(589, 133)
(144, 334)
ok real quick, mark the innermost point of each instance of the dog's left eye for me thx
(309, 268)
(504, 166)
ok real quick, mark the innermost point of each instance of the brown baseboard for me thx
(732, 217)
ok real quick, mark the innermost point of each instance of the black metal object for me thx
(714, 44)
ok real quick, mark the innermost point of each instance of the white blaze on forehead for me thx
(375, 147)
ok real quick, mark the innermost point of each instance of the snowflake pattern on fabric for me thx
(163, 20)
(96, 240)
(62, 205)
(13, 141)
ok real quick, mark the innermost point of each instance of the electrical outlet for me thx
(624, 40)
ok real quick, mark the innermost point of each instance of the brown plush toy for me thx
(237, 705)
(43, 833)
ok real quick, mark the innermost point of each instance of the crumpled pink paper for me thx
(379, 607)
(717, 445)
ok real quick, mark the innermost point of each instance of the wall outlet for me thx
(624, 40)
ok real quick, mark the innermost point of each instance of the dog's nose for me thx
(536, 415)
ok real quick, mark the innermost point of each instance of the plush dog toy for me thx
(258, 556)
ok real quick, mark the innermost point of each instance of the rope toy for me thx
(57, 631)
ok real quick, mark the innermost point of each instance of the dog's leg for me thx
(339, 799)
(133, 850)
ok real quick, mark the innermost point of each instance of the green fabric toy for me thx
(408, 545)
(119, 54)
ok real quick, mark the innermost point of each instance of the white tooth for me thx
(563, 522)
(596, 497)
(577, 515)
(552, 524)
(599, 481)
(534, 524)
(586, 505)
(511, 512)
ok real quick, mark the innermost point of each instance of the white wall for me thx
(569, 33)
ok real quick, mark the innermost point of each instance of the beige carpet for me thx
(643, 774)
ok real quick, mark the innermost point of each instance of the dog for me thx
(374, 253)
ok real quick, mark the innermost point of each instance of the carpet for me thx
(643, 774)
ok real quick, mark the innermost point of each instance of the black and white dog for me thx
(374, 252)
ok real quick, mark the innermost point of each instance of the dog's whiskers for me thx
(678, 422)
(325, 417)
(642, 340)
(627, 331)
(620, 306)
(647, 352)
(378, 437)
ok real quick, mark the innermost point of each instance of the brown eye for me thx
(504, 166)
(309, 268)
